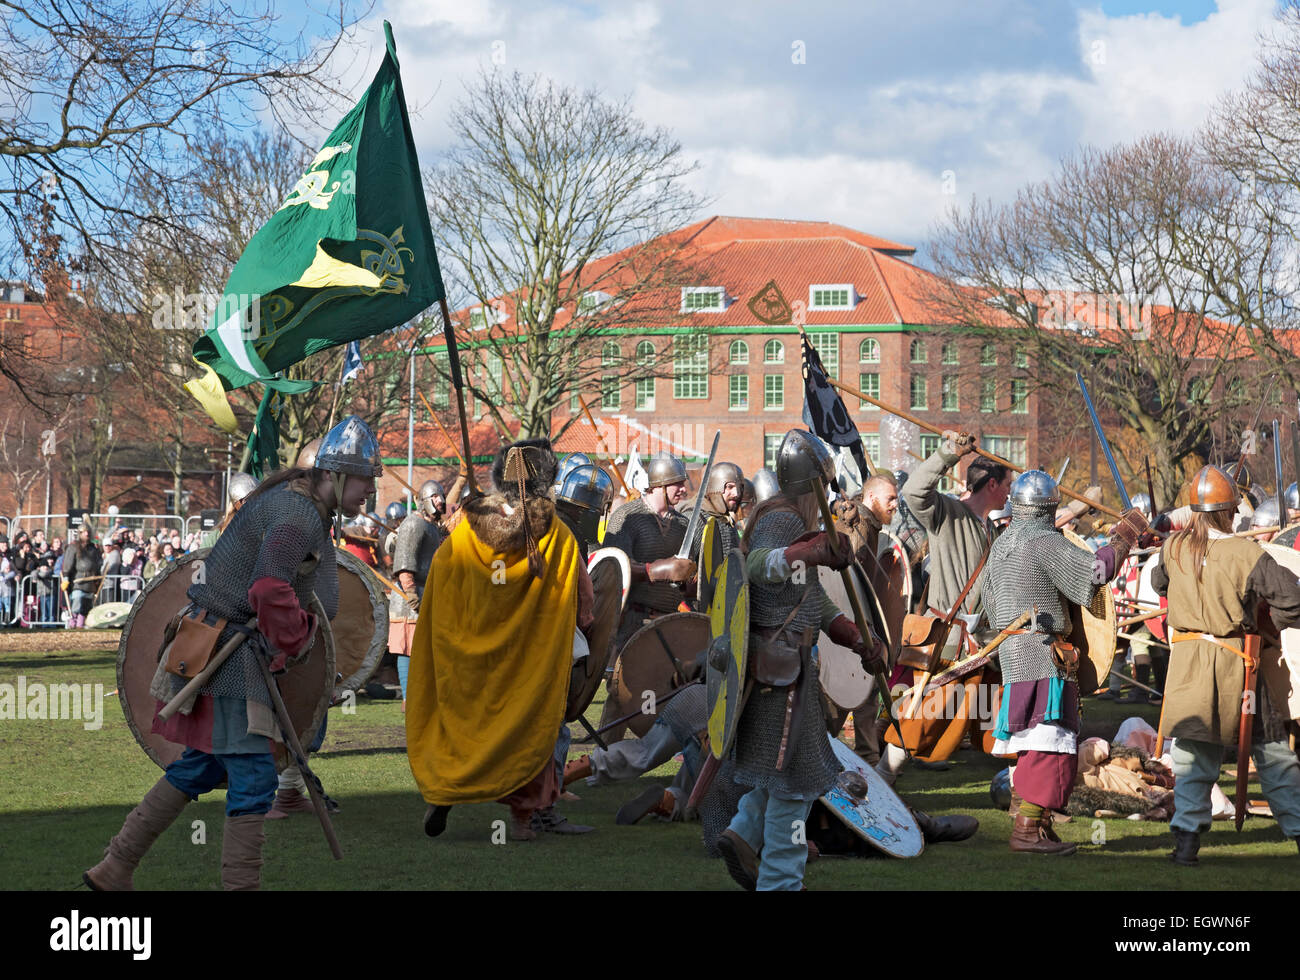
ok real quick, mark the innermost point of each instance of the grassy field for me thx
(64, 791)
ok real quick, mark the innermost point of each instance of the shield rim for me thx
(324, 634)
(878, 788)
(642, 722)
(725, 708)
(621, 556)
(596, 663)
(379, 610)
(707, 575)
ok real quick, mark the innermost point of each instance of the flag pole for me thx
(248, 446)
(453, 364)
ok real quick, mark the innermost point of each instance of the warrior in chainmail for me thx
(781, 750)
(583, 494)
(650, 531)
(1033, 567)
(722, 499)
(418, 537)
(273, 556)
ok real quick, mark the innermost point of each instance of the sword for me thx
(685, 550)
(1105, 446)
(1277, 468)
(1061, 475)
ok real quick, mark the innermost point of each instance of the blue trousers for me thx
(1196, 769)
(775, 828)
(251, 779)
(403, 672)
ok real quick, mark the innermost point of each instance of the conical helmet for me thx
(801, 461)
(350, 447)
(1213, 490)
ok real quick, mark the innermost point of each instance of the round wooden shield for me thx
(877, 815)
(1093, 632)
(306, 686)
(728, 653)
(108, 615)
(650, 660)
(611, 576)
(840, 670)
(361, 626)
(709, 563)
(891, 578)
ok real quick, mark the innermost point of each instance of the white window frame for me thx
(742, 381)
(875, 346)
(780, 345)
(731, 352)
(850, 293)
(774, 408)
(719, 291)
(646, 404)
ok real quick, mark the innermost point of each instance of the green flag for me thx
(264, 440)
(349, 253)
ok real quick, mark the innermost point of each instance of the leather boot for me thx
(1016, 799)
(577, 769)
(1186, 844)
(289, 802)
(741, 861)
(521, 826)
(1045, 822)
(241, 853)
(653, 800)
(942, 830)
(156, 812)
(1028, 837)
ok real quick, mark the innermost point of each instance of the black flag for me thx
(823, 409)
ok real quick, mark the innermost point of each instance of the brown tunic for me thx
(1203, 689)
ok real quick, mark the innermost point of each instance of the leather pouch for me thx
(921, 634)
(776, 658)
(194, 643)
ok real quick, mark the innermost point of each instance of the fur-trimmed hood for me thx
(502, 531)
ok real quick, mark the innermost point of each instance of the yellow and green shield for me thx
(728, 652)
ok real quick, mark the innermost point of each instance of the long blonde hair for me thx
(1196, 537)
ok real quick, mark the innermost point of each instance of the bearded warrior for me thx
(1033, 566)
(274, 555)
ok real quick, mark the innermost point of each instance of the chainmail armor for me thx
(720, 805)
(810, 766)
(645, 537)
(274, 535)
(417, 539)
(725, 530)
(1032, 564)
(687, 714)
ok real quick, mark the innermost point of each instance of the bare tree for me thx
(1101, 270)
(555, 209)
(20, 454)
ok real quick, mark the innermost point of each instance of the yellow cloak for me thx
(491, 655)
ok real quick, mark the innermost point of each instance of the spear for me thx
(908, 417)
(627, 491)
(443, 429)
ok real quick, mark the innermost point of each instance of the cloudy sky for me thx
(848, 112)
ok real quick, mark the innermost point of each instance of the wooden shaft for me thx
(1250, 648)
(1133, 621)
(859, 614)
(460, 406)
(392, 585)
(1256, 532)
(202, 677)
(939, 679)
(396, 476)
(443, 429)
(300, 757)
(627, 491)
(908, 417)
(1136, 683)
(918, 456)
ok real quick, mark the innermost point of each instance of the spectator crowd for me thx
(50, 583)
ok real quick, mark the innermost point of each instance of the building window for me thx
(831, 297)
(609, 354)
(575, 406)
(691, 367)
(988, 395)
(645, 394)
(477, 319)
(827, 345)
(738, 396)
(918, 391)
(1010, 448)
(609, 392)
(774, 391)
(868, 384)
(929, 446)
(441, 384)
(771, 446)
(493, 372)
(591, 302)
(701, 298)
(738, 352)
(949, 353)
(917, 351)
(645, 353)
(988, 355)
(949, 393)
(1020, 397)
(774, 352)
(1022, 357)
(869, 351)
(871, 446)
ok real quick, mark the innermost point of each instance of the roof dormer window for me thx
(592, 301)
(478, 318)
(832, 296)
(704, 299)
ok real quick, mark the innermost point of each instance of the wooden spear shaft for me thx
(443, 429)
(908, 417)
(627, 491)
(1141, 619)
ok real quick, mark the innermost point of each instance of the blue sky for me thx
(886, 101)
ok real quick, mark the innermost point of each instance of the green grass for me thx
(64, 791)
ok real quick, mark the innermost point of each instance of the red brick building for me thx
(860, 299)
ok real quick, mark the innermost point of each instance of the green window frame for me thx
(645, 394)
(691, 367)
(988, 395)
(1020, 397)
(918, 391)
(771, 446)
(773, 391)
(827, 344)
(738, 393)
(774, 352)
(948, 393)
(869, 351)
(738, 352)
(868, 384)
(916, 351)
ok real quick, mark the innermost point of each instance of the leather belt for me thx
(1178, 636)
